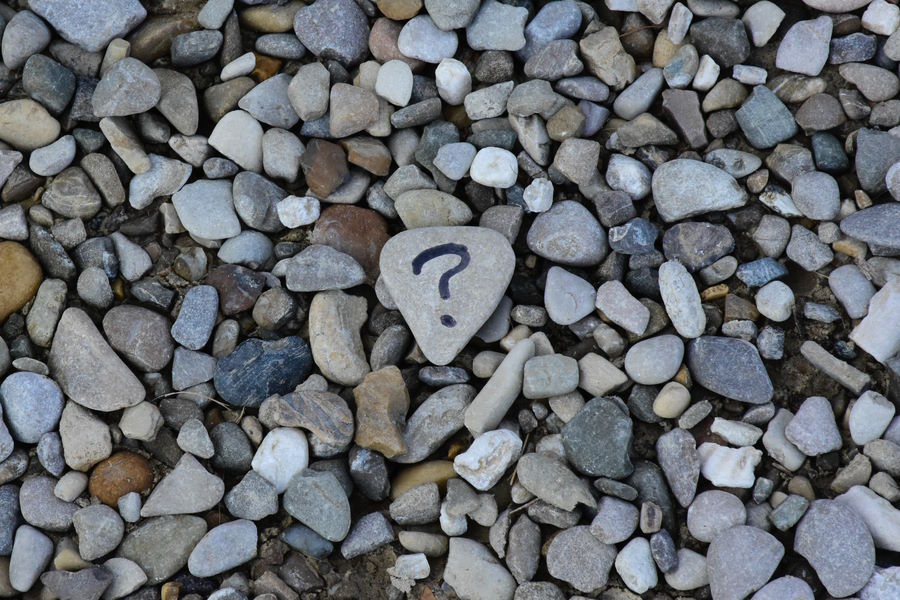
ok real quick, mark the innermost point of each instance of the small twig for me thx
(189, 393)
(524, 506)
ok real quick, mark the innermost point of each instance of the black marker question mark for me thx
(444, 283)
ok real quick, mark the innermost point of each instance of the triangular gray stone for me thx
(444, 312)
(189, 488)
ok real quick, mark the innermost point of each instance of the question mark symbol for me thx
(444, 283)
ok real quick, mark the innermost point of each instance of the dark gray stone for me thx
(696, 245)
(876, 225)
(725, 40)
(729, 367)
(259, 368)
(764, 119)
(598, 439)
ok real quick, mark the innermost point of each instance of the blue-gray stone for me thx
(597, 440)
(878, 225)
(197, 317)
(303, 539)
(729, 367)
(761, 271)
(195, 47)
(9, 517)
(829, 154)
(876, 151)
(259, 368)
(32, 405)
(555, 21)
(856, 47)
(50, 453)
(48, 82)
(637, 236)
(764, 119)
(725, 40)
(334, 29)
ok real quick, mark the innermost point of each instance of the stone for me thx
(100, 530)
(52, 159)
(188, 488)
(127, 577)
(870, 416)
(435, 420)
(607, 59)
(382, 403)
(31, 552)
(474, 573)
(161, 546)
(684, 188)
(282, 454)
(491, 404)
(141, 335)
(813, 429)
(334, 29)
(681, 299)
(324, 414)
(599, 419)
(79, 348)
(196, 318)
(223, 548)
(317, 500)
(26, 125)
(469, 297)
(238, 136)
(494, 167)
(677, 456)
(335, 319)
(193, 438)
(41, 508)
(724, 39)
(206, 209)
(370, 532)
(764, 119)
(615, 521)
(91, 27)
(728, 467)
(569, 235)
(804, 48)
(852, 289)
(875, 83)
(118, 475)
(394, 82)
(580, 559)
(567, 297)
(829, 528)
(741, 560)
(635, 566)
(870, 225)
(88, 583)
(620, 307)
(713, 512)
(32, 405)
(729, 367)
(421, 39)
(775, 301)
(129, 87)
(25, 35)
(324, 166)
(488, 458)
(242, 378)
(551, 481)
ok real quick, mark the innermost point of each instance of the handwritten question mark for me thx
(444, 282)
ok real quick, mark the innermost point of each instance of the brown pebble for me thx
(383, 43)
(153, 39)
(359, 232)
(121, 473)
(325, 167)
(20, 277)
(382, 402)
(369, 153)
(238, 287)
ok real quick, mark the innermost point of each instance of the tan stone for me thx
(435, 471)
(20, 277)
(26, 125)
(400, 10)
(382, 401)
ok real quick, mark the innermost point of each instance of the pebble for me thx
(370, 532)
(223, 548)
(99, 529)
(569, 235)
(635, 566)
(684, 188)
(188, 488)
(741, 560)
(31, 552)
(196, 318)
(741, 376)
(23, 36)
(713, 512)
(615, 521)
(421, 39)
(206, 209)
(813, 429)
(567, 297)
(32, 405)
(129, 87)
(764, 119)
(334, 29)
(488, 458)
(804, 48)
(775, 301)
(316, 499)
(435, 421)
(869, 417)
(418, 506)
(830, 527)
(681, 299)
(473, 572)
(680, 462)
(601, 419)
(654, 360)
(552, 482)
(580, 559)
(27, 125)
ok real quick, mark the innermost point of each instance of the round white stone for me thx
(635, 566)
(494, 167)
(394, 82)
(869, 417)
(282, 454)
(775, 300)
(242, 65)
(238, 136)
(453, 81)
(296, 211)
(628, 175)
(538, 195)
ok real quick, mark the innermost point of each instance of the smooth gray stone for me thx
(741, 560)
(317, 500)
(91, 25)
(224, 547)
(730, 367)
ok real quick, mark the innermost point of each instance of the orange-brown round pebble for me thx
(121, 473)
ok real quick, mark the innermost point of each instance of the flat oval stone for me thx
(225, 547)
(141, 335)
(122, 473)
(206, 209)
(685, 188)
(32, 405)
(26, 125)
(161, 546)
(41, 508)
(697, 245)
(654, 360)
(730, 367)
(874, 225)
(20, 277)
(568, 234)
(87, 369)
(316, 499)
(830, 529)
(259, 368)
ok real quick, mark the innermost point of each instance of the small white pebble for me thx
(296, 211)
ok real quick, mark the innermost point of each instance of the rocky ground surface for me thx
(472, 299)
